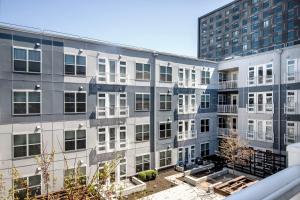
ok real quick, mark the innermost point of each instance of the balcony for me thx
(186, 135)
(112, 146)
(291, 139)
(112, 112)
(227, 108)
(186, 84)
(260, 108)
(291, 108)
(226, 132)
(187, 109)
(112, 78)
(225, 85)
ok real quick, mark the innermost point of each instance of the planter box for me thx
(139, 186)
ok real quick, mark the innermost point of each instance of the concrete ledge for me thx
(139, 186)
(195, 181)
(199, 169)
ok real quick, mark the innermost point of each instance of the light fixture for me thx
(120, 57)
(80, 125)
(169, 146)
(81, 87)
(37, 45)
(169, 118)
(169, 90)
(38, 86)
(80, 50)
(80, 162)
(38, 169)
(38, 127)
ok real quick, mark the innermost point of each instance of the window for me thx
(27, 185)
(165, 74)
(165, 102)
(123, 169)
(204, 125)
(291, 68)
(112, 105)
(72, 176)
(75, 65)
(26, 145)
(142, 163)
(75, 102)
(27, 60)
(269, 131)
(269, 73)
(205, 99)
(186, 130)
(192, 153)
(165, 158)
(123, 75)
(186, 77)
(112, 138)
(142, 71)
(291, 129)
(204, 149)
(165, 130)
(142, 102)
(26, 102)
(205, 77)
(251, 128)
(291, 102)
(102, 69)
(142, 132)
(75, 140)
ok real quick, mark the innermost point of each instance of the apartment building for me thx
(245, 27)
(91, 101)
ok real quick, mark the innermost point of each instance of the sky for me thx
(162, 25)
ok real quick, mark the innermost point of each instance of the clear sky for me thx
(163, 25)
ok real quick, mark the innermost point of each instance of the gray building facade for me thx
(245, 27)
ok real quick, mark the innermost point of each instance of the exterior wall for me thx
(52, 122)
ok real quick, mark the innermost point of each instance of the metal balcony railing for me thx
(290, 139)
(292, 77)
(260, 80)
(226, 132)
(186, 135)
(112, 78)
(111, 146)
(112, 112)
(291, 108)
(231, 84)
(260, 108)
(186, 109)
(227, 108)
(186, 83)
(260, 136)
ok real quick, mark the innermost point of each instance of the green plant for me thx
(147, 175)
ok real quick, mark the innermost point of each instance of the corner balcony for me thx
(260, 108)
(227, 109)
(112, 112)
(187, 109)
(112, 146)
(226, 85)
(291, 108)
(112, 78)
(227, 132)
(186, 84)
(186, 135)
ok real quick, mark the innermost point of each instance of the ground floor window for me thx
(165, 158)
(142, 163)
(204, 149)
(27, 185)
(75, 175)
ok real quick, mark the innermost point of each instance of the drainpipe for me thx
(153, 109)
(279, 101)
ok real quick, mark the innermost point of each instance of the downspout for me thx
(153, 110)
(279, 102)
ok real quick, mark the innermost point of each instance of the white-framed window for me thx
(251, 75)
(122, 137)
(291, 101)
(25, 145)
(165, 130)
(205, 99)
(75, 175)
(205, 77)
(142, 71)
(193, 77)
(27, 60)
(142, 163)
(186, 77)
(260, 102)
(142, 102)
(165, 74)
(110, 70)
(75, 140)
(123, 71)
(251, 129)
(186, 129)
(112, 64)
(165, 102)
(26, 102)
(269, 135)
(101, 69)
(123, 169)
(291, 132)
(111, 138)
(204, 125)
(75, 102)
(193, 153)
(251, 102)
(269, 73)
(27, 185)
(75, 65)
(291, 70)
(102, 139)
(187, 103)
(261, 74)
(165, 158)
(142, 132)
(204, 149)
(180, 155)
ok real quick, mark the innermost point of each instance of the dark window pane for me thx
(19, 140)
(80, 107)
(34, 66)
(81, 144)
(19, 108)
(20, 65)
(34, 96)
(80, 60)
(34, 138)
(80, 70)
(69, 97)
(80, 97)
(146, 166)
(70, 69)
(20, 54)
(34, 108)
(69, 135)
(69, 59)
(20, 151)
(34, 150)
(69, 145)
(69, 107)
(34, 55)
(19, 96)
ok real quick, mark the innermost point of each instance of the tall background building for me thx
(246, 27)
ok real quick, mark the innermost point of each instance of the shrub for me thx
(147, 175)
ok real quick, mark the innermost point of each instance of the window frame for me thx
(165, 74)
(28, 186)
(206, 103)
(165, 130)
(143, 162)
(75, 102)
(27, 49)
(165, 102)
(143, 132)
(206, 126)
(26, 102)
(165, 158)
(75, 64)
(206, 151)
(143, 72)
(27, 145)
(294, 70)
(143, 107)
(75, 140)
